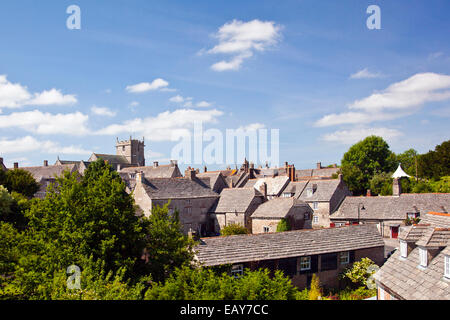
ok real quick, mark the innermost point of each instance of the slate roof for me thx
(435, 237)
(161, 171)
(295, 187)
(391, 207)
(307, 174)
(266, 246)
(410, 282)
(111, 158)
(412, 233)
(436, 219)
(49, 172)
(214, 179)
(236, 200)
(279, 208)
(275, 185)
(177, 188)
(324, 191)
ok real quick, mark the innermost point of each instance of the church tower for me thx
(133, 150)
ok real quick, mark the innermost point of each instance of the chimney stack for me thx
(340, 177)
(369, 193)
(396, 187)
(205, 169)
(319, 165)
(16, 165)
(45, 163)
(173, 163)
(263, 190)
(155, 164)
(190, 173)
(140, 176)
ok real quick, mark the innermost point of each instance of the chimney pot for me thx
(205, 169)
(369, 193)
(16, 165)
(155, 164)
(45, 163)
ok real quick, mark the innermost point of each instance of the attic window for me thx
(447, 266)
(403, 249)
(413, 215)
(423, 257)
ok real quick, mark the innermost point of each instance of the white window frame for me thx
(305, 263)
(237, 270)
(403, 249)
(447, 267)
(315, 205)
(344, 257)
(423, 257)
(315, 219)
(266, 229)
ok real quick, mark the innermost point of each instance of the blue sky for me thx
(312, 70)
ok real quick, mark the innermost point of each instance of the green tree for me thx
(283, 225)
(359, 272)
(166, 248)
(407, 160)
(381, 184)
(90, 216)
(21, 181)
(363, 160)
(232, 229)
(435, 163)
(204, 284)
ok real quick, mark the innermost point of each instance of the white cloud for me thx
(203, 104)
(240, 39)
(177, 99)
(29, 144)
(414, 91)
(166, 126)
(357, 118)
(354, 135)
(14, 95)
(365, 74)
(103, 111)
(157, 84)
(46, 123)
(398, 100)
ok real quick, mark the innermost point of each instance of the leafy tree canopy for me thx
(363, 160)
(20, 181)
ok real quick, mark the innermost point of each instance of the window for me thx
(309, 192)
(423, 257)
(316, 219)
(237, 270)
(287, 195)
(403, 249)
(188, 210)
(447, 266)
(328, 261)
(305, 263)
(315, 205)
(266, 229)
(344, 257)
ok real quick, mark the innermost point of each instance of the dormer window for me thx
(423, 256)
(447, 267)
(403, 249)
(413, 215)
